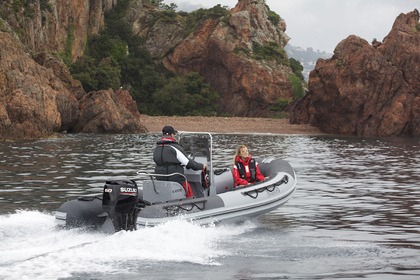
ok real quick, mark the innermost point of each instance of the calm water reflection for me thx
(350, 190)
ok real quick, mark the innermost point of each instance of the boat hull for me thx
(234, 206)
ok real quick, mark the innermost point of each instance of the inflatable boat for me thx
(144, 200)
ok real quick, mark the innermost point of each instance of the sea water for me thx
(355, 214)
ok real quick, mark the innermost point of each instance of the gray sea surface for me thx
(355, 214)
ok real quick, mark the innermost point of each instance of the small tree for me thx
(280, 105)
(186, 95)
(273, 17)
(163, 6)
(297, 86)
(297, 68)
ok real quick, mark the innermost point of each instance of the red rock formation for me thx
(161, 36)
(59, 26)
(68, 90)
(28, 107)
(368, 90)
(40, 98)
(221, 50)
(107, 111)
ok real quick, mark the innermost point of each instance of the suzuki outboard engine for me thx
(119, 201)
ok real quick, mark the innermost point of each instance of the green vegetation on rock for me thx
(270, 51)
(297, 86)
(297, 68)
(116, 58)
(186, 95)
(195, 18)
(273, 17)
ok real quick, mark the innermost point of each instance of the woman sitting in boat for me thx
(245, 169)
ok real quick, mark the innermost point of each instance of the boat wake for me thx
(32, 243)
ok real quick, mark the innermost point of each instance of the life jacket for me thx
(165, 162)
(252, 170)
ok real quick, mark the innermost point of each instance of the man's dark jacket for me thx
(170, 157)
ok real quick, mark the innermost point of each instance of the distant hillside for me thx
(306, 57)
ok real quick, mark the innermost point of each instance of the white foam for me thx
(32, 247)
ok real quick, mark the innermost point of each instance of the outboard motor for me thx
(119, 201)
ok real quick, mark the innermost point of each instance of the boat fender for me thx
(120, 202)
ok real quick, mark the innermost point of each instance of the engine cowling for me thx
(119, 200)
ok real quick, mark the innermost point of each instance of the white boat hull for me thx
(238, 205)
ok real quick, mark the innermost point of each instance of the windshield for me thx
(196, 145)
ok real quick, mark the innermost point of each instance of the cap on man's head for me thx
(168, 130)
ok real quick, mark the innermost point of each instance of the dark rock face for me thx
(368, 90)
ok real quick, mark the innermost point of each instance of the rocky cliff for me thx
(368, 90)
(241, 53)
(227, 52)
(38, 96)
(223, 51)
(61, 26)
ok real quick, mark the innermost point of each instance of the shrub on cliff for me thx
(297, 86)
(196, 17)
(297, 68)
(186, 95)
(107, 45)
(96, 75)
(161, 5)
(273, 17)
(115, 58)
(280, 105)
(270, 51)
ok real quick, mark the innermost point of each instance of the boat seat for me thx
(155, 191)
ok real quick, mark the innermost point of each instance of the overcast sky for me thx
(322, 24)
